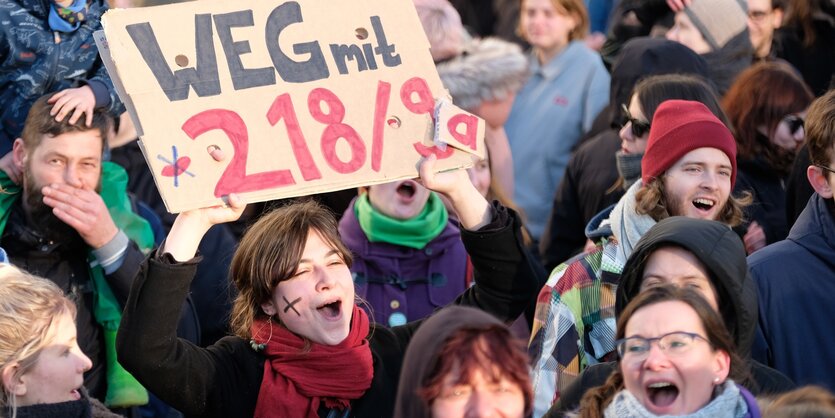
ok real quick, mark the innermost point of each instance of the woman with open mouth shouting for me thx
(301, 345)
(676, 358)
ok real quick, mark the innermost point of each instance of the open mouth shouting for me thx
(704, 204)
(406, 190)
(331, 311)
(661, 395)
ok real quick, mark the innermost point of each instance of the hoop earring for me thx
(260, 347)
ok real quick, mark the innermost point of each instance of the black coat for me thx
(224, 379)
(591, 172)
(66, 265)
(768, 188)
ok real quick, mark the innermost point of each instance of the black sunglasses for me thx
(639, 128)
(794, 123)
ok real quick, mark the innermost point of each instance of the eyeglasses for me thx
(639, 128)
(823, 167)
(673, 344)
(794, 123)
(758, 15)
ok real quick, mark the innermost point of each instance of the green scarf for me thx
(122, 389)
(413, 233)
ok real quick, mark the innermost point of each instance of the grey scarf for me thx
(728, 404)
(627, 225)
(629, 167)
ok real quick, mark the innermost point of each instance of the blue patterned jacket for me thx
(36, 61)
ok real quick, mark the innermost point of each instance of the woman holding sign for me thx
(302, 346)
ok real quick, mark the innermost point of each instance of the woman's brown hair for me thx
(595, 400)
(493, 350)
(269, 252)
(760, 97)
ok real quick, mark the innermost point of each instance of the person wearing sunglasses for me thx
(635, 123)
(796, 277)
(769, 129)
(675, 358)
(637, 116)
(587, 186)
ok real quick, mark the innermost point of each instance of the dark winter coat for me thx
(86, 407)
(817, 62)
(34, 64)
(224, 380)
(66, 265)
(722, 253)
(769, 192)
(795, 280)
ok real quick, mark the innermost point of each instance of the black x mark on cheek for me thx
(290, 305)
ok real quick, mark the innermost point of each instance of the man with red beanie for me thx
(688, 169)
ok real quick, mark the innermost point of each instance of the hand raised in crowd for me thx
(473, 210)
(79, 101)
(84, 210)
(191, 225)
(11, 169)
(755, 238)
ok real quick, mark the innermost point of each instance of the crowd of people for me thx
(651, 233)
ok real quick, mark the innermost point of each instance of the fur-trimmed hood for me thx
(488, 69)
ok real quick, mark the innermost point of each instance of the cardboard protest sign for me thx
(302, 96)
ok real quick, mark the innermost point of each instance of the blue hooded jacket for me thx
(37, 60)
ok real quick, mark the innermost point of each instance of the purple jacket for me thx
(402, 284)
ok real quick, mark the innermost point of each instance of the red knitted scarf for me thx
(297, 380)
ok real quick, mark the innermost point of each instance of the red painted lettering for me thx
(234, 179)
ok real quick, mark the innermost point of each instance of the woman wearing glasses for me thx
(676, 358)
(766, 106)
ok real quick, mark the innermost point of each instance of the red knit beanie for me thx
(678, 127)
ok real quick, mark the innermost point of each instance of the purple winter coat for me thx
(403, 284)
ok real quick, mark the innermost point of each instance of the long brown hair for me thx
(654, 90)
(269, 253)
(651, 200)
(595, 400)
